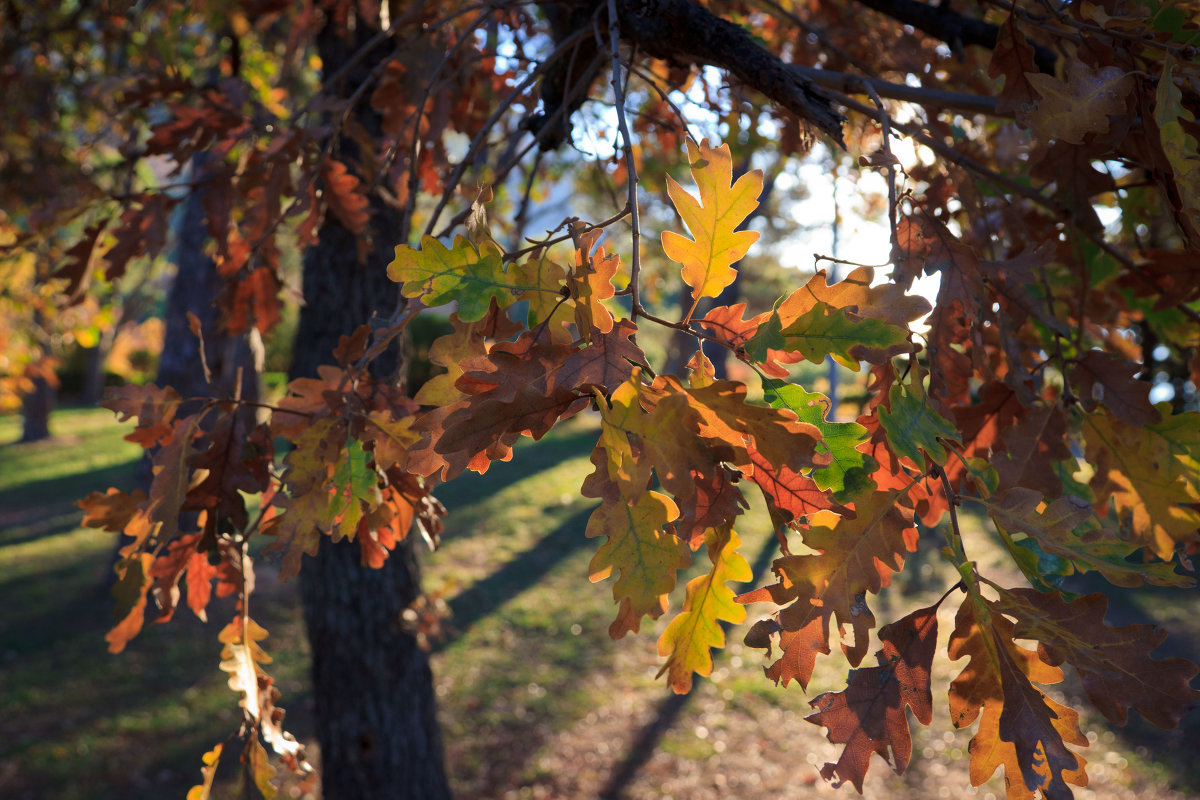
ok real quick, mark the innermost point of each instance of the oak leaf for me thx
(472, 277)
(1069, 110)
(1174, 120)
(826, 331)
(868, 715)
(713, 220)
(1114, 664)
(840, 440)
(696, 630)
(203, 790)
(855, 556)
(913, 426)
(1151, 476)
(345, 196)
(1020, 728)
(642, 551)
(1110, 380)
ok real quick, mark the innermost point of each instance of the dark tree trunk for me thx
(35, 409)
(375, 711)
(196, 289)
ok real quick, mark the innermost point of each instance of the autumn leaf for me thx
(345, 196)
(439, 274)
(688, 639)
(1071, 109)
(855, 556)
(130, 591)
(591, 283)
(713, 220)
(1012, 59)
(825, 331)
(1180, 148)
(887, 301)
(645, 555)
(1114, 664)
(154, 408)
(1058, 529)
(868, 715)
(356, 489)
(1107, 379)
(913, 426)
(203, 790)
(840, 440)
(1150, 475)
(1020, 728)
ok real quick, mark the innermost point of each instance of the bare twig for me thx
(631, 176)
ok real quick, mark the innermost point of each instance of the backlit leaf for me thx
(868, 715)
(439, 274)
(913, 426)
(644, 553)
(689, 638)
(713, 220)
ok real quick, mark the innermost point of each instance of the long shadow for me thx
(529, 458)
(54, 490)
(521, 573)
(645, 744)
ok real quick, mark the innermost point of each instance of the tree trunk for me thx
(35, 408)
(375, 711)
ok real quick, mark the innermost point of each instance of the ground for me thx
(536, 700)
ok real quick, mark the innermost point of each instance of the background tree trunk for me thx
(375, 710)
(35, 411)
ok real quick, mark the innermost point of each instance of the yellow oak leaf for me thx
(713, 220)
(1149, 473)
(643, 551)
(689, 638)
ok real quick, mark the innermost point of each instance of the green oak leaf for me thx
(840, 439)
(912, 425)
(440, 274)
(826, 331)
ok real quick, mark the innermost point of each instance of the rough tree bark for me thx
(375, 710)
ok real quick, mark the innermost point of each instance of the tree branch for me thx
(935, 98)
(951, 27)
(684, 31)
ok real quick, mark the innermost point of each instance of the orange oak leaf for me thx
(713, 220)
(203, 790)
(1020, 728)
(130, 592)
(855, 556)
(688, 639)
(643, 551)
(868, 715)
(344, 195)
(1114, 664)
(591, 283)
(854, 293)
(154, 408)
(112, 510)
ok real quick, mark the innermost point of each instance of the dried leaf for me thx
(868, 715)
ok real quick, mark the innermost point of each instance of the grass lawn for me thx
(536, 701)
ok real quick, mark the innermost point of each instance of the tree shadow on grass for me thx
(643, 746)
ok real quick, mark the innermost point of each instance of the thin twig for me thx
(491, 121)
(885, 123)
(631, 176)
